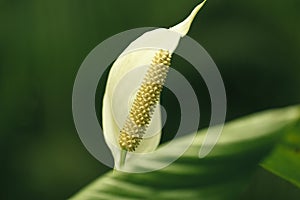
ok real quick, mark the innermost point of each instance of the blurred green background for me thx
(255, 44)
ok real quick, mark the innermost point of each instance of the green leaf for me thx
(266, 185)
(285, 159)
(223, 174)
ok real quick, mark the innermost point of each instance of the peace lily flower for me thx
(131, 117)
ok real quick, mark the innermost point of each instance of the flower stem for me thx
(123, 157)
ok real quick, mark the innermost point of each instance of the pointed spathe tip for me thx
(183, 27)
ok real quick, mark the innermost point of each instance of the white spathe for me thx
(126, 76)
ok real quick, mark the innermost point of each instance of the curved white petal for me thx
(126, 76)
(183, 27)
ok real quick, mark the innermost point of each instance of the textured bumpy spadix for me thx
(136, 127)
(145, 101)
